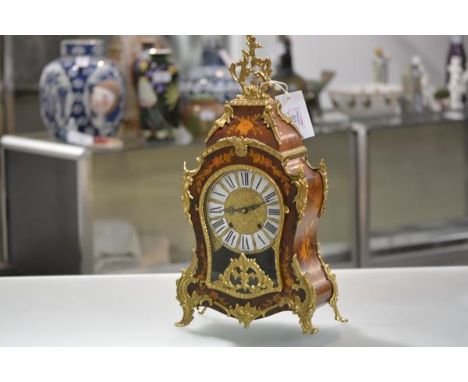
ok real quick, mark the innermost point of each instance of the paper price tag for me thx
(293, 105)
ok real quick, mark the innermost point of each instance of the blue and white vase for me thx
(81, 91)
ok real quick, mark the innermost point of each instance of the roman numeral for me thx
(219, 194)
(214, 210)
(260, 184)
(230, 237)
(245, 178)
(218, 225)
(270, 228)
(261, 240)
(270, 197)
(273, 211)
(230, 182)
(246, 243)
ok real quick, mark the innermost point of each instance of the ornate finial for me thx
(254, 74)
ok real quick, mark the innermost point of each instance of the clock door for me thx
(243, 211)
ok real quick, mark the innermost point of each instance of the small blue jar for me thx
(81, 91)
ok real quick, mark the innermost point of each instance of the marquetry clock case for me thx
(254, 202)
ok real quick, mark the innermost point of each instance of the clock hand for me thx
(230, 210)
(254, 206)
(247, 209)
(243, 210)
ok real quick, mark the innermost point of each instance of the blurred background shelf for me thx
(398, 184)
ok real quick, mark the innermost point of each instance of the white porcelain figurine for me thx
(456, 85)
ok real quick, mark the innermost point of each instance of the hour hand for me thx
(230, 210)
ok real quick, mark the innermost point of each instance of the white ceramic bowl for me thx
(367, 100)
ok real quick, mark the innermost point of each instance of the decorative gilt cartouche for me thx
(254, 202)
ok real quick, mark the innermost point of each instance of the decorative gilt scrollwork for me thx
(187, 180)
(245, 313)
(242, 143)
(252, 73)
(286, 118)
(305, 308)
(324, 174)
(189, 302)
(240, 146)
(186, 195)
(221, 121)
(332, 278)
(244, 278)
(270, 122)
(249, 102)
(302, 186)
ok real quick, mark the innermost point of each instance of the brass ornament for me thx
(187, 181)
(245, 313)
(300, 181)
(286, 118)
(187, 301)
(240, 146)
(249, 101)
(305, 308)
(268, 119)
(221, 121)
(302, 191)
(332, 278)
(253, 74)
(244, 278)
(324, 174)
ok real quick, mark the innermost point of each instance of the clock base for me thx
(301, 299)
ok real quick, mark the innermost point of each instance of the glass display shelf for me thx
(140, 184)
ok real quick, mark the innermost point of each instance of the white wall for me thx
(351, 56)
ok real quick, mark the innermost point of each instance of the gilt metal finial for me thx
(252, 73)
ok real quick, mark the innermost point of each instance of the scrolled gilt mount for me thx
(254, 202)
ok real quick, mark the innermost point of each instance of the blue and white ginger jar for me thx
(81, 91)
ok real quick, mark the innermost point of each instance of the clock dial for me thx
(244, 211)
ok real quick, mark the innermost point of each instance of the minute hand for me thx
(251, 207)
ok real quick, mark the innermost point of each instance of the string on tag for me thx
(283, 86)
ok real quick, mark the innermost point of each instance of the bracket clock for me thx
(254, 202)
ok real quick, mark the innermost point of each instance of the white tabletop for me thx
(385, 307)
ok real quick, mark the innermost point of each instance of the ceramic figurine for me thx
(456, 86)
(381, 66)
(81, 92)
(157, 92)
(456, 49)
(416, 87)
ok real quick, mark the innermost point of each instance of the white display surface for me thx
(385, 307)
